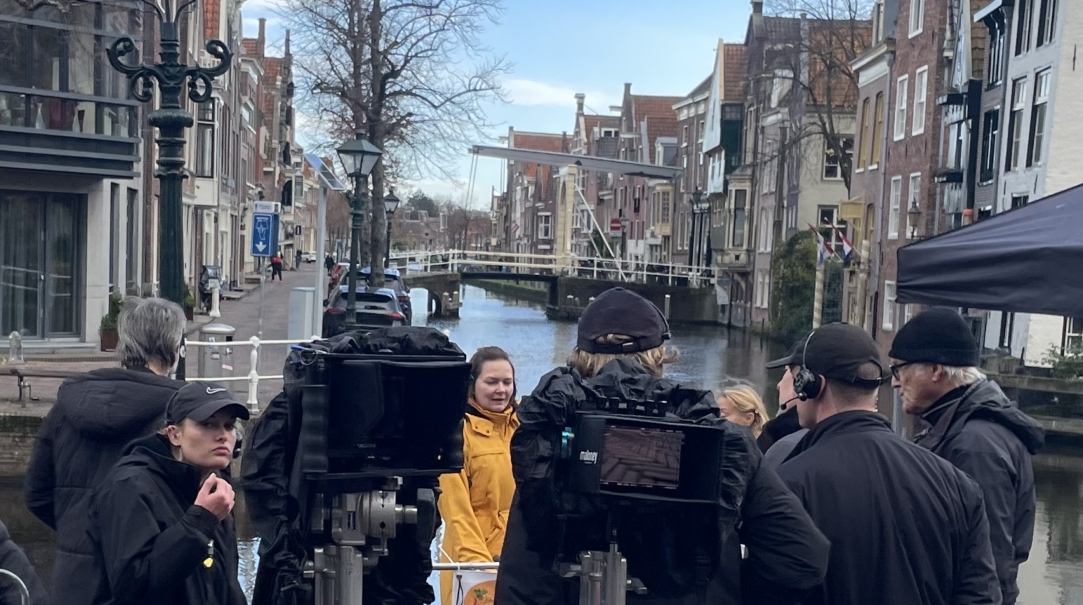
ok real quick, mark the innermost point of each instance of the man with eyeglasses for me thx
(973, 425)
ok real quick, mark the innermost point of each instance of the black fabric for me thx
(275, 495)
(792, 358)
(681, 558)
(201, 400)
(983, 434)
(778, 427)
(13, 559)
(152, 539)
(937, 336)
(620, 311)
(838, 351)
(1016, 261)
(905, 526)
(96, 415)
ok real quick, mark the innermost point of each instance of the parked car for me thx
(376, 308)
(308, 257)
(392, 280)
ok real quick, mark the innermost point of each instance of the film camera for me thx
(376, 430)
(641, 468)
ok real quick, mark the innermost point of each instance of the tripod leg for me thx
(616, 577)
(349, 575)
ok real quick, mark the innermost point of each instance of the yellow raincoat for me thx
(474, 503)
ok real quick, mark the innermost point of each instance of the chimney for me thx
(287, 50)
(564, 142)
(627, 88)
(757, 7)
(261, 38)
(580, 98)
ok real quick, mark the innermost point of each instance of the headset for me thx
(807, 384)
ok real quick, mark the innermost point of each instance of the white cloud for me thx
(534, 93)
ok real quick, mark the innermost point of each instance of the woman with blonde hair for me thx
(742, 405)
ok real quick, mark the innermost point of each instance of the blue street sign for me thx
(264, 234)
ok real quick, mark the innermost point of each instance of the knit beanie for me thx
(940, 336)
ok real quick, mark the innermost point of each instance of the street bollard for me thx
(216, 298)
(216, 361)
(667, 307)
(15, 347)
(253, 376)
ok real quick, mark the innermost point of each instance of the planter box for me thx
(109, 339)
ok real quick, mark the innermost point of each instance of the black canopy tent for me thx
(1028, 260)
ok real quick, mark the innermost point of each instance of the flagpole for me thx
(818, 303)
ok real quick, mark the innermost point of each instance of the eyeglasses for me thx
(895, 368)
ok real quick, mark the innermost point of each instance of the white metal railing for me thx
(253, 377)
(519, 262)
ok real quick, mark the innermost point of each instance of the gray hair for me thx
(963, 376)
(150, 331)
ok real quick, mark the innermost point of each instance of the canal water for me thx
(710, 357)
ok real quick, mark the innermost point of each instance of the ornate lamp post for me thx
(170, 119)
(913, 215)
(358, 158)
(391, 204)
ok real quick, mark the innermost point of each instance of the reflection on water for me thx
(709, 357)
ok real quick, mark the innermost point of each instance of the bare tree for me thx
(412, 75)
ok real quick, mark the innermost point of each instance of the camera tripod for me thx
(603, 577)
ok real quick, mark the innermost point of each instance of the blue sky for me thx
(561, 47)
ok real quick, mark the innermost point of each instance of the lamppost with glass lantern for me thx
(171, 120)
(391, 204)
(623, 237)
(913, 215)
(358, 158)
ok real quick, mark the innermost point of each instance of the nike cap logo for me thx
(212, 390)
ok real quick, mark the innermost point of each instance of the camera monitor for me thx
(645, 458)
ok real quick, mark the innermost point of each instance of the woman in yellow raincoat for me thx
(474, 503)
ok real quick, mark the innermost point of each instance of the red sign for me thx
(614, 226)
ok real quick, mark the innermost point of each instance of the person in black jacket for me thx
(620, 355)
(905, 526)
(973, 426)
(161, 520)
(14, 560)
(96, 415)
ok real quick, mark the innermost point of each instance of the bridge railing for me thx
(253, 377)
(594, 268)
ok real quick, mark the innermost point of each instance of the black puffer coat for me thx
(152, 540)
(95, 417)
(982, 433)
(680, 557)
(13, 559)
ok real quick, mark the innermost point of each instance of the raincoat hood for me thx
(983, 400)
(115, 403)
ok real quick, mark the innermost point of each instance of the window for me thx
(763, 289)
(908, 314)
(865, 135)
(767, 229)
(1023, 25)
(1037, 118)
(1018, 201)
(917, 16)
(545, 226)
(665, 206)
(912, 201)
(877, 129)
(827, 220)
(131, 247)
(114, 245)
(1047, 22)
(702, 128)
(921, 90)
(901, 93)
(833, 164)
(889, 306)
(1073, 334)
(684, 137)
(740, 197)
(204, 164)
(1015, 123)
(997, 40)
(893, 209)
(990, 136)
(1007, 328)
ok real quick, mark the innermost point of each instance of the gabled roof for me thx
(536, 141)
(644, 106)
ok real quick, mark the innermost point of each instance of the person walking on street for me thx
(96, 415)
(162, 518)
(276, 266)
(474, 503)
(329, 264)
(974, 426)
(297, 260)
(905, 525)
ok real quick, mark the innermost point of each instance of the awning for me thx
(1026, 261)
(585, 162)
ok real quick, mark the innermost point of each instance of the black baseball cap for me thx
(835, 350)
(620, 311)
(199, 401)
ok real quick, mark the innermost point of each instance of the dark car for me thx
(392, 280)
(376, 308)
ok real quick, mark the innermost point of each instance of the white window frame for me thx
(921, 93)
(545, 227)
(1036, 141)
(902, 91)
(837, 164)
(888, 321)
(893, 208)
(917, 17)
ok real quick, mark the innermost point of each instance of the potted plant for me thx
(189, 304)
(107, 331)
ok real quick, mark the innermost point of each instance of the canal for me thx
(710, 357)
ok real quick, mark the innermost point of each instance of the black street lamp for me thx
(913, 215)
(358, 158)
(391, 204)
(170, 119)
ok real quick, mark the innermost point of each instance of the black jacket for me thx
(983, 434)
(13, 559)
(152, 540)
(787, 555)
(778, 427)
(96, 415)
(905, 526)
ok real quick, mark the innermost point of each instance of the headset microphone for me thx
(782, 406)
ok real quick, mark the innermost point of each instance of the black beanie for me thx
(937, 336)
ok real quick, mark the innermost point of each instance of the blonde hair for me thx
(747, 400)
(654, 360)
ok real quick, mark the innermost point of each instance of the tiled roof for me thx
(211, 18)
(644, 106)
(250, 45)
(735, 66)
(660, 127)
(536, 141)
(272, 67)
(590, 122)
(782, 28)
